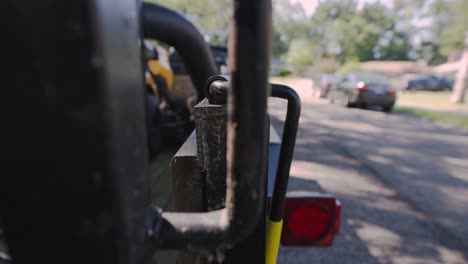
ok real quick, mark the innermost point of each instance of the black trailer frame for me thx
(75, 187)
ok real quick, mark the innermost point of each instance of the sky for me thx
(310, 5)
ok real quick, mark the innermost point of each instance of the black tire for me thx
(318, 93)
(154, 126)
(388, 109)
(340, 102)
(346, 102)
(362, 105)
(324, 94)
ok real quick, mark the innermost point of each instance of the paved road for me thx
(403, 183)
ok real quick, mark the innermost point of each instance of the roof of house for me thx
(395, 67)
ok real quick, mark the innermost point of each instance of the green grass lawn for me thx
(434, 106)
(423, 96)
(457, 120)
(435, 100)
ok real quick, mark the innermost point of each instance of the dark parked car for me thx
(326, 81)
(429, 83)
(220, 55)
(362, 90)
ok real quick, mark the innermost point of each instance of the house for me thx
(395, 68)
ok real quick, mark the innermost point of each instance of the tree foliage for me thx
(450, 24)
(344, 31)
(348, 67)
(210, 16)
(289, 23)
(347, 33)
(300, 54)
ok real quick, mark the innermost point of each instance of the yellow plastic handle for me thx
(273, 241)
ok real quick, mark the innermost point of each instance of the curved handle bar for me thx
(246, 140)
(288, 141)
(167, 25)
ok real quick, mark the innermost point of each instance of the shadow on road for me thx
(403, 183)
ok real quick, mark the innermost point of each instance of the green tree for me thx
(210, 16)
(365, 37)
(348, 67)
(379, 37)
(301, 53)
(328, 27)
(279, 45)
(430, 52)
(346, 33)
(289, 23)
(396, 46)
(450, 23)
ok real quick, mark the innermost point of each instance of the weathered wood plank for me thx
(187, 180)
(210, 123)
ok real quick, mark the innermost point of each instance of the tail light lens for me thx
(363, 89)
(310, 221)
(391, 92)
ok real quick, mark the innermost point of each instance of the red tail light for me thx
(363, 89)
(391, 92)
(310, 221)
(338, 217)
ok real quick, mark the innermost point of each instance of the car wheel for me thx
(388, 109)
(318, 93)
(345, 102)
(352, 105)
(324, 94)
(362, 105)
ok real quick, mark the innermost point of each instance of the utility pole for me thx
(458, 95)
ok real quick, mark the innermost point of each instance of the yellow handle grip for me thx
(273, 241)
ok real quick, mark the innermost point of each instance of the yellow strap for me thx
(273, 241)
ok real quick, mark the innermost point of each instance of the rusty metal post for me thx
(210, 124)
(199, 168)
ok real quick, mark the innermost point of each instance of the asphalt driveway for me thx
(403, 183)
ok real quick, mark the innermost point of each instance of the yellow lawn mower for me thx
(170, 99)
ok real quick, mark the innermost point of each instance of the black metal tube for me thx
(164, 24)
(216, 89)
(246, 157)
(288, 142)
